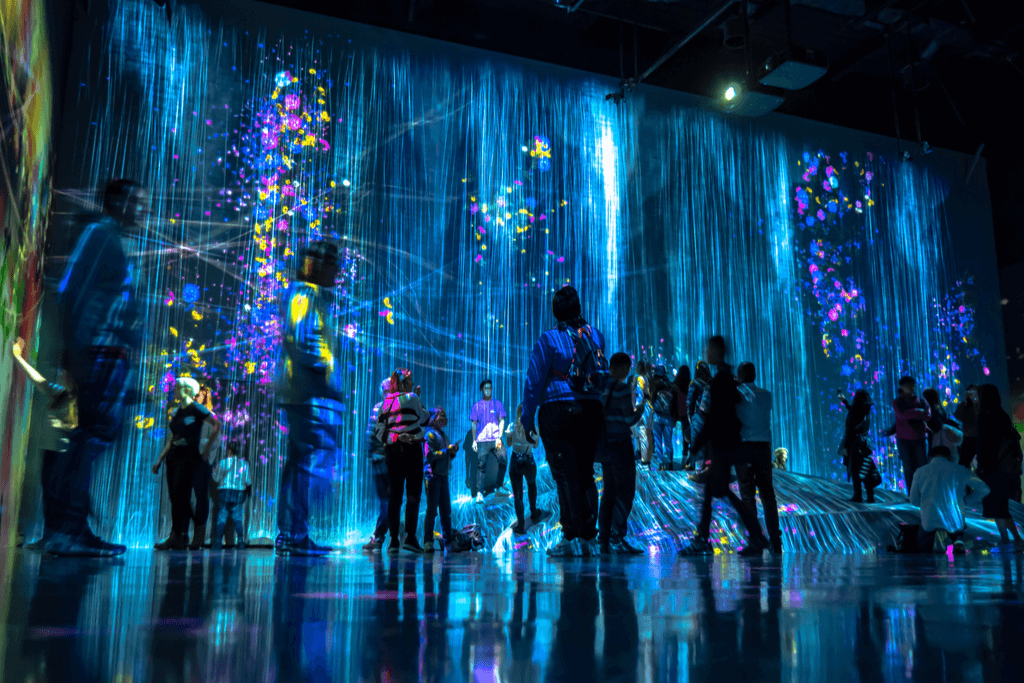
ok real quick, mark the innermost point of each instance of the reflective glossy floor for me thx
(249, 616)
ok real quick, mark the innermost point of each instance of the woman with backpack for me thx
(998, 463)
(568, 371)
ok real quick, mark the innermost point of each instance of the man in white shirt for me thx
(940, 490)
(233, 482)
(753, 461)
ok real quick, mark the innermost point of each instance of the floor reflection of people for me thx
(300, 635)
(621, 629)
(437, 665)
(55, 646)
(400, 643)
(184, 609)
(522, 635)
(572, 646)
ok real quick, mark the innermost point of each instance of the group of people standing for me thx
(584, 407)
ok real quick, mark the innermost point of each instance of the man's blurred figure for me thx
(100, 322)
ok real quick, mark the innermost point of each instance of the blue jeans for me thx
(663, 429)
(913, 454)
(311, 462)
(102, 389)
(232, 502)
(619, 470)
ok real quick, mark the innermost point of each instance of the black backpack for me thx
(588, 369)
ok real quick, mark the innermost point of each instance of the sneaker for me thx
(85, 544)
(240, 546)
(393, 548)
(697, 547)
(622, 547)
(585, 548)
(374, 545)
(959, 548)
(479, 499)
(563, 549)
(304, 547)
(412, 545)
(502, 492)
(428, 547)
(856, 499)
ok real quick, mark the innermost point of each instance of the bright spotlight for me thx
(730, 93)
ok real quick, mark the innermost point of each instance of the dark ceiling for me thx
(964, 55)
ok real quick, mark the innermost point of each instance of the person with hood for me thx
(568, 372)
(379, 470)
(720, 432)
(911, 429)
(855, 448)
(402, 421)
(437, 454)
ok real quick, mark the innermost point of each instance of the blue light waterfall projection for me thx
(464, 190)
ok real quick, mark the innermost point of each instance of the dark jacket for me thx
(720, 431)
(994, 428)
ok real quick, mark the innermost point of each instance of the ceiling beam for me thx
(716, 15)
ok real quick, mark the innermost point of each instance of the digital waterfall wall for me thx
(465, 188)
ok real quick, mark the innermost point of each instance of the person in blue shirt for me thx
(101, 328)
(569, 418)
(309, 397)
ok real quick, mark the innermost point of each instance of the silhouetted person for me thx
(856, 450)
(998, 439)
(309, 397)
(620, 415)
(754, 461)
(523, 469)
(682, 390)
(101, 326)
(567, 369)
(438, 454)
(967, 414)
(940, 489)
(378, 470)
(233, 486)
(184, 458)
(720, 433)
(694, 416)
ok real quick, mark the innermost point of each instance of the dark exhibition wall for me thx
(465, 188)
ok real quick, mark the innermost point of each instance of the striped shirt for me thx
(232, 473)
(402, 414)
(621, 411)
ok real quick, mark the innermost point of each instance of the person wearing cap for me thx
(570, 418)
(233, 481)
(309, 395)
(183, 457)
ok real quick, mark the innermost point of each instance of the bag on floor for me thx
(466, 539)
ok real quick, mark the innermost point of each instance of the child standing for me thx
(621, 414)
(663, 424)
(233, 487)
(438, 454)
(523, 466)
(856, 452)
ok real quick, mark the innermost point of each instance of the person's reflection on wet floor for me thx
(621, 630)
(437, 666)
(522, 635)
(184, 610)
(54, 646)
(572, 647)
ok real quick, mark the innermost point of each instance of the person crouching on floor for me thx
(939, 490)
(438, 454)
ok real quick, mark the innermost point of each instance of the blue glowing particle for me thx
(833, 206)
(810, 221)
(807, 157)
(190, 294)
(282, 79)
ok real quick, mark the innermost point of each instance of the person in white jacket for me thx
(940, 489)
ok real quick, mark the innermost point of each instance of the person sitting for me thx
(939, 490)
(233, 487)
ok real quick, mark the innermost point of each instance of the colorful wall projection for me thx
(464, 189)
(26, 105)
